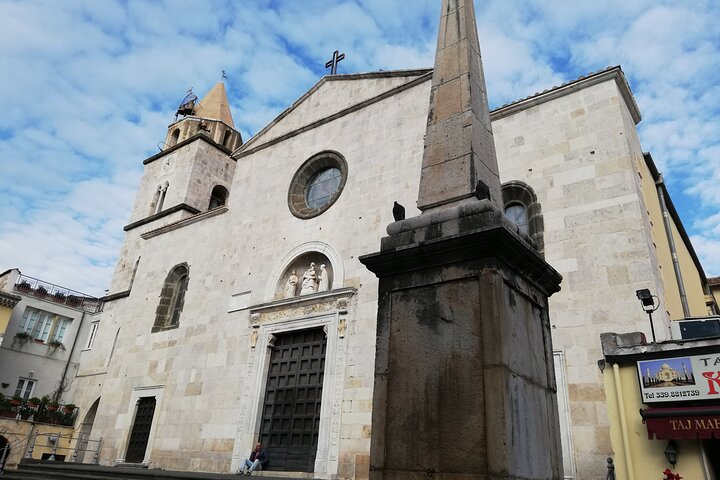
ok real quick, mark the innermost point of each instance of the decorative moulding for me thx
(184, 222)
(320, 297)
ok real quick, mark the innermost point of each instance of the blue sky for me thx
(89, 88)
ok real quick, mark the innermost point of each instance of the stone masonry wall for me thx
(579, 154)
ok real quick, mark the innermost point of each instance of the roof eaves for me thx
(657, 177)
(614, 72)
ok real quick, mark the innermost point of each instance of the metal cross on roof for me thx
(332, 64)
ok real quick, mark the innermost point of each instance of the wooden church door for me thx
(141, 430)
(291, 410)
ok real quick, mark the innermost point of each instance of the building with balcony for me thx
(45, 328)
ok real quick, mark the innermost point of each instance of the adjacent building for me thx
(664, 404)
(45, 327)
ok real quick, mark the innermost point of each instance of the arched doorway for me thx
(84, 433)
(4, 452)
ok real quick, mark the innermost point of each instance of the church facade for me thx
(238, 310)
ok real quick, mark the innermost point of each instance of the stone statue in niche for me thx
(291, 285)
(309, 280)
(323, 281)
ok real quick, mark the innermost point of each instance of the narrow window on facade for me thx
(226, 138)
(155, 200)
(161, 200)
(91, 337)
(172, 299)
(218, 197)
(44, 326)
(174, 137)
(24, 388)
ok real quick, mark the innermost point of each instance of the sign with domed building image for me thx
(680, 379)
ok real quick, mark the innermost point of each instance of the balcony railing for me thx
(54, 293)
(37, 411)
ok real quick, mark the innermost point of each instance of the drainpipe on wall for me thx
(660, 185)
(58, 392)
(623, 423)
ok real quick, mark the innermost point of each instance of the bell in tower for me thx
(188, 104)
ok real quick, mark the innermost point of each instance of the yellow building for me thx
(714, 284)
(7, 303)
(686, 289)
(652, 420)
(663, 396)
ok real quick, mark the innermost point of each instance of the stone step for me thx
(46, 470)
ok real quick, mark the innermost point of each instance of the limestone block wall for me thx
(190, 172)
(210, 167)
(199, 371)
(579, 152)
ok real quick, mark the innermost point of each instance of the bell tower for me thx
(211, 116)
(193, 171)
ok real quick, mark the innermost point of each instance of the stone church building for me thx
(238, 310)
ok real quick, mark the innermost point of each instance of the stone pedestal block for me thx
(464, 383)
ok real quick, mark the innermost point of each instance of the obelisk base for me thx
(464, 382)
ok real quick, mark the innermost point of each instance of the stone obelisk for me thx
(464, 383)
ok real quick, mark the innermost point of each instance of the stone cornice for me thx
(631, 347)
(187, 141)
(164, 213)
(303, 300)
(9, 300)
(610, 73)
(115, 296)
(184, 222)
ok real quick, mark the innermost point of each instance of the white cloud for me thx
(93, 85)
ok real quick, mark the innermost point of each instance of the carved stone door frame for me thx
(261, 337)
(138, 393)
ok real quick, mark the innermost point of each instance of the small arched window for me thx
(174, 137)
(522, 209)
(172, 298)
(517, 214)
(226, 138)
(218, 197)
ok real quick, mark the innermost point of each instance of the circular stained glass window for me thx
(317, 184)
(323, 185)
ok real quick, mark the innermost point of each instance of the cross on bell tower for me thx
(332, 64)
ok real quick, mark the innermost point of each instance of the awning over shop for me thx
(682, 423)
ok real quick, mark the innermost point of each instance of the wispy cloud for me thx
(89, 88)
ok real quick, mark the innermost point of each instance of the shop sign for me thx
(680, 379)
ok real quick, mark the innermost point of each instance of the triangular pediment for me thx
(330, 97)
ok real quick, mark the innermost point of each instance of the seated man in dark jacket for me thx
(259, 459)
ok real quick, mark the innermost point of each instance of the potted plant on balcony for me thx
(41, 291)
(23, 286)
(52, 406)
(69, 408)
(53, 345)
(73, 300)
(16, 400)
(58, 297)
(34, 402)
(21, 338)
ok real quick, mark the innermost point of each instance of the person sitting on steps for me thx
(259, 460)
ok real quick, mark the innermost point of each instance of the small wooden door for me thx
(141, 430)
(291, 410)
